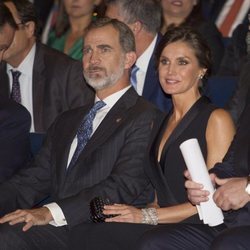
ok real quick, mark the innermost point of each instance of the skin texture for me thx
(6, 37)
(23, 39)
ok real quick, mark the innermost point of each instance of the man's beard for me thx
(105, 81)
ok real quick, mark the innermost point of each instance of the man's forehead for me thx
(103, 35)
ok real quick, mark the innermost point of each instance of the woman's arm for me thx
(130, 214)
(219, 135)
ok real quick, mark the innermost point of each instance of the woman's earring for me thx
(200, 77)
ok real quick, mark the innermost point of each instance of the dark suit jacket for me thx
(14, 137)
(238, 101)
(152, 90)
(237, 163)
(236, 52)
(212, 36)
(58, 85)
(111, 164)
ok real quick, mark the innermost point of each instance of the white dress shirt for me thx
(56, 211)
(25, 80)
(142, 63)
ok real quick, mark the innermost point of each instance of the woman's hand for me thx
(124, 213)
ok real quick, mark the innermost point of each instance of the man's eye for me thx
(105, 49)
(87, 51)
(164, 61)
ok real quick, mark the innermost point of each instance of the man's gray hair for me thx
(148, 12)
(126, 36)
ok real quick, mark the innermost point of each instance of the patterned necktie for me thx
(85, 131)
(230, 18)
(16, 93)
(133, 78)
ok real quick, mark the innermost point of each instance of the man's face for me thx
(6, 37)
(22, 42)
(103, 58)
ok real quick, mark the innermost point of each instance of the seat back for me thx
(36, 141)
(220, 89)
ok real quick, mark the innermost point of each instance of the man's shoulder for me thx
(12, 111)
(53, 56)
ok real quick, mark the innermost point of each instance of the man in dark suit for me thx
(144, 19)
(110, 165)
(50, 82)
(232, 196)
(14, 118)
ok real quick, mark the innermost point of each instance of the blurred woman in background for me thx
(73, 18)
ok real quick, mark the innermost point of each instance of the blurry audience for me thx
(44, 80)
(144, 19)
(68, 33)
(189, 12)
(14, 118)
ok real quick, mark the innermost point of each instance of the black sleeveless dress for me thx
(167, 178)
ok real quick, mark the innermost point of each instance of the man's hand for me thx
(231, 194)
(195, 191)
(32, 217)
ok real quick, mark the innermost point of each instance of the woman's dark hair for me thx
(26, 13)
(193, 39)
(195, 17)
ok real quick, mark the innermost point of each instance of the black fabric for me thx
(233, 239)
(178, 236)
(37, 238)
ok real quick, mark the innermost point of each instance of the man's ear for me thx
(30, 28)
(130, 59)
(136, 27)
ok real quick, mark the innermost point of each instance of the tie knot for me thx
(15, 74)
(98, 105)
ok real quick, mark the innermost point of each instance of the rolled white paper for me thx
(208, 211)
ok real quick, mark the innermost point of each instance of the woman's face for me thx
(78, 8)
(179, 70)
(178, 8)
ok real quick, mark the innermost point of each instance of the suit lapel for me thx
(185, 122)
(38, 84)
(64, 142)
(115, 118)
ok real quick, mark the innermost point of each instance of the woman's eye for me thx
(183, 62)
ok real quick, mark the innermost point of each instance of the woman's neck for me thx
(182, 103)
(78, 25)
